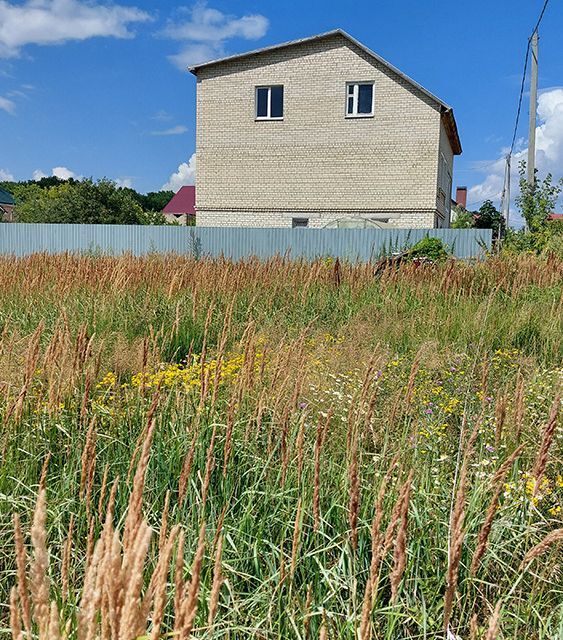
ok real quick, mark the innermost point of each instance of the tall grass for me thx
(216, 449)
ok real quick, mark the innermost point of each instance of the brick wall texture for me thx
(316, 163)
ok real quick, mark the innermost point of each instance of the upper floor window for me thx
(444, 177)
(359, 99)
(269, 102)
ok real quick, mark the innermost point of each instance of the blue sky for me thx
(92, 88)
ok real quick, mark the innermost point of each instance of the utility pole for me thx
(506, 192)
(533, 108)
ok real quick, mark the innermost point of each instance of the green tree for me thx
(489, 217)
(81, 202)
(157, 200)
(463, 218)
(537, 200)
(152, 201)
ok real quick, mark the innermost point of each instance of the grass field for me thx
(211, 449)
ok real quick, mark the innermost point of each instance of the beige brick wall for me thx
(317, 219)
(260, 173)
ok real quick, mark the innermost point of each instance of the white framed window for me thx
(269, 102)
(360, 98)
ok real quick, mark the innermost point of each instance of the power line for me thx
(520, 98)
(523, 84)
(470, 204)
(541, 17)
(519, 110)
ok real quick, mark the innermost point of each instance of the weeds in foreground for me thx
(302, 480)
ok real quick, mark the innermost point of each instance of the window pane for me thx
(365, 98)
(350, 105)
(351, 89)
(262, 102)
(277, 102)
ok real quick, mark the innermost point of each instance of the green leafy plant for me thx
(537, 199)
(430, 248)
(463, 219)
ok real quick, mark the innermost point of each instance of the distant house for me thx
(7, 203)
(555, 216)
(307, 132)
(181, 208)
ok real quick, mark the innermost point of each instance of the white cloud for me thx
(63, 173)
(60, 172)
(124, 182)
(184, 175)
(162, 116)
(48, 22)
(173, 131)
(206, 32)
(549, 151)
(7, 105)
(6, 175)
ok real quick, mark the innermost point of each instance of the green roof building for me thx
(7, 203)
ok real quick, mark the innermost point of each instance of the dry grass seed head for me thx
(191, 599)
(216, 584)
(547, 440)
(39, 579)
(21, 565)
(400, 550)
(15, 619)
(550, 539)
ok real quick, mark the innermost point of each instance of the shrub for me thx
(430, 248)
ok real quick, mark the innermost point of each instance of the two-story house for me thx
(316, 130)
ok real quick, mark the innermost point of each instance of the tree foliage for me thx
(463, 219)
(489, 217)
(538, 199)
(85, 202)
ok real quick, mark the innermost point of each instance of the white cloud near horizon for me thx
(183, 176)
(59, 172)
(125, 183)
(206, 32)
(549, 151)
(6, 175)
(64, 173)
(51, 22)
(179, 129)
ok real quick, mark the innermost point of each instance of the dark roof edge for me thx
(445, 109)
(6, 197)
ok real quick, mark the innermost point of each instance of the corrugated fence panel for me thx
(236, 243)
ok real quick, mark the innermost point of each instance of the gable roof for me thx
(182, 202)
(445, 109)
(6, 197)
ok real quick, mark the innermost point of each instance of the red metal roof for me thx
(555, 216)
(182, 202)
